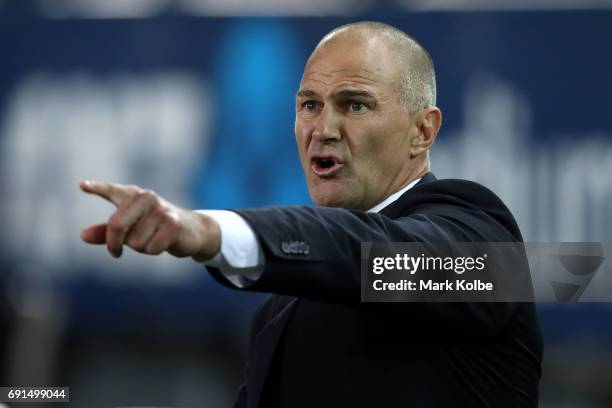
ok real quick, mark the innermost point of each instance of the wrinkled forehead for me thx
(364, 61)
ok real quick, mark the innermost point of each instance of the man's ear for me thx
(428, 122)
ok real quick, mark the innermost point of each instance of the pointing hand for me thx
(149, 224)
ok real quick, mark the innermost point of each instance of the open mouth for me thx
(324, 166)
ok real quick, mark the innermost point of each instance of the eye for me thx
(310, 106)
(357, 107)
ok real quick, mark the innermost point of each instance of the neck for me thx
(393, 197)
(418, 171)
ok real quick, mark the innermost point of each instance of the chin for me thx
(330, 195)
(328, 201)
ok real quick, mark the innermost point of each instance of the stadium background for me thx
(194, 99)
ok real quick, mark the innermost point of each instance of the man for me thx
(365, 120)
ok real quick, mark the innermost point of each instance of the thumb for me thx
(95, 234)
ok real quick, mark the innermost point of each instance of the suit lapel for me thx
(264, 346)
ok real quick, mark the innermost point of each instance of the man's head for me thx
(365, 115)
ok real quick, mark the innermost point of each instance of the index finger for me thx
(113, 192)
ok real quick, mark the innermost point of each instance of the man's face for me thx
(353, 136)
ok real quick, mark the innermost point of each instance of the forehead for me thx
(363, 62)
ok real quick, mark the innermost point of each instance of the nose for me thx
(328, 126)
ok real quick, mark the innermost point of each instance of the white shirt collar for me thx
(393, 197)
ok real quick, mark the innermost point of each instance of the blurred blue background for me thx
(195, 99)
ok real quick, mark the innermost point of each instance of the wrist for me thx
(210, 238)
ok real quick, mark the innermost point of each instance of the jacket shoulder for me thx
(455, 197)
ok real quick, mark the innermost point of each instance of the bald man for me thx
(365, 121)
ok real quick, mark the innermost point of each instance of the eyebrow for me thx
(306, 93)
(348, 93)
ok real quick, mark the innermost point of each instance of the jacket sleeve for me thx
(330, 270)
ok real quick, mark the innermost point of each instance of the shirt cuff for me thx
(240, 259)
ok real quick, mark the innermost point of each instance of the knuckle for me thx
(173, 220)
(148, 194)
(132, 191)
(133, 188)
(168, 216)
(144, 195)
(153, 249)
(135, 243)
(172, 227)
(115, 226)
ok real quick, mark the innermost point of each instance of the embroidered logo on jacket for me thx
(295, 248)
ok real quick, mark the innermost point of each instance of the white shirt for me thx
(241, 259)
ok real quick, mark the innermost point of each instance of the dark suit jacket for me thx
(314, 344)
